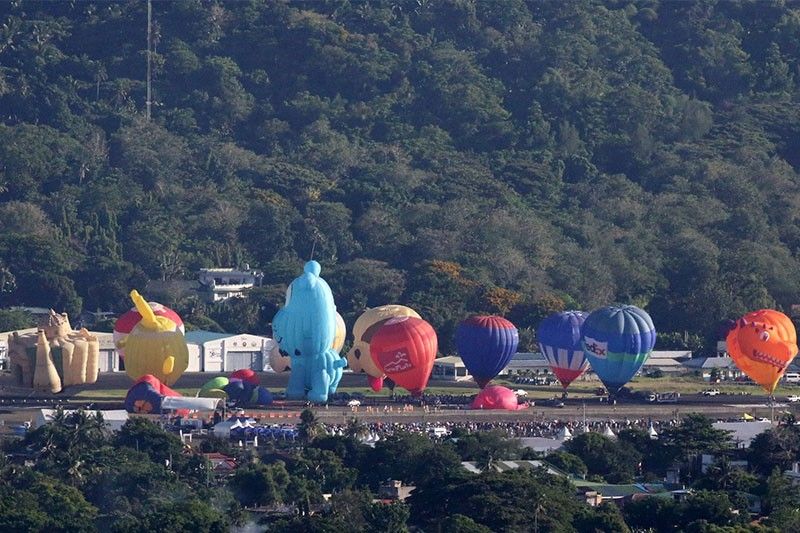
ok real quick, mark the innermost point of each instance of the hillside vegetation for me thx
(456, 156)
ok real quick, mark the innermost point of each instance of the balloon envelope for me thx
(340, 334)
(235, 389)
(264, 396)
(486, 344)
(404, 349)
(617, 340)
(497, 397)
(218, 382)
(146, 394)
(762, 344)
(559, 338)
(246, 374)
(370, 321)
(128, 320)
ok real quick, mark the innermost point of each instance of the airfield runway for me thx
(16, 402)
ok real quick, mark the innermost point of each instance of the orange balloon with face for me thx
(762, 344)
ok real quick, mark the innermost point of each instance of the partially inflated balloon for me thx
(248, 375)
(560, 341)
(370, 321)
(497, 397)
(617, 341)
(762, 344)
(146, 394)
(486, 344)
(213, 388)
(404, 349)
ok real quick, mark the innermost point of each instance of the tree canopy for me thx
(619, 150)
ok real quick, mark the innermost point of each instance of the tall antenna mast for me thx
(149, 40)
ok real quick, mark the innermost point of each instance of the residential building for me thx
(218, 284)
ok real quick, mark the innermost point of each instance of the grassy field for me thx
(687, 385)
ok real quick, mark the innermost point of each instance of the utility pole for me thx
(149, 41)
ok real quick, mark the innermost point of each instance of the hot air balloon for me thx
(146, 394)
(617, 341)
(762, 344)
(370, 321)
(214, 388)
(497, 397)
(486, 344)
(128, 320)
(560, 341)
(404, 349)
(248, 375)
(341, 333)
(155, 346)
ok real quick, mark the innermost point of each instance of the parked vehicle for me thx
(711, 392)
(791, 377)
(664, 397)
(793, 398)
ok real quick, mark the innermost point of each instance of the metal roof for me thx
(201, 336)
(710, 362)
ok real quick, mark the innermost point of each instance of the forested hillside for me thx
(457, 156)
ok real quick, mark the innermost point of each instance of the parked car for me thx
(711, 392)
(793, 398)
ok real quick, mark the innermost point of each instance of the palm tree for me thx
(309, 427)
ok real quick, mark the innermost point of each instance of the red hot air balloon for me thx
(404, 348)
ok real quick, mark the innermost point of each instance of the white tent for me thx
(189, 402)
(114, 419)
(564, 433)
(609, 433)
(224, 428)
(652, 432)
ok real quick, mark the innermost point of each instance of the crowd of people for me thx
(515, 428)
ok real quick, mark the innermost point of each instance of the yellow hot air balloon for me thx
(762, 344)
(155, 346)
(370, 321)
(341, 332)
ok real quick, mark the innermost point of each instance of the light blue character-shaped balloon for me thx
(304, 328)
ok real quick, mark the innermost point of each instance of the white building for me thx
(226, 352)
(450, 368)
(108, 359)
(218, 284)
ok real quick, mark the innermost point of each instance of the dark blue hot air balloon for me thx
(617, 340)
(559, 338)
(486, 344)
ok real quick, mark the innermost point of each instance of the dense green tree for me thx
(513, 500)
(778, 447)
(429, 153)
(486, 447)
(259, 484)
(616, 461)
(567, 462)
(145, 436)
(605, 518)
(15, 319)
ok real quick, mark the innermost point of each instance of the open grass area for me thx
(686, 385)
